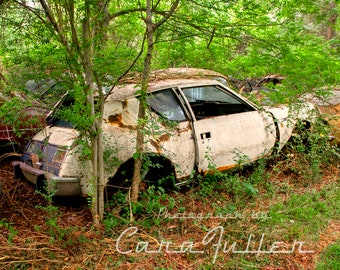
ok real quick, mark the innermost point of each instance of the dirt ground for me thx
(19, 200)
(24, 243)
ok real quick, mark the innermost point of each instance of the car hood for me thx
(57, 135)
(296, 111)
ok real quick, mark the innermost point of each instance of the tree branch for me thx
(168, 14)
(128, 70)
(55, 25)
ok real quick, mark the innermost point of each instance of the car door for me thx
(227, 128)
(171, 135)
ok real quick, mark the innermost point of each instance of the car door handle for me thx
(205, 135)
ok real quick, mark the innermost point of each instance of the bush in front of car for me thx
(308, 152)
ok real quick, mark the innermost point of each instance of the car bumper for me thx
(59, 186)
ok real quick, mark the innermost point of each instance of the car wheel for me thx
(300, 140)
(156, 171)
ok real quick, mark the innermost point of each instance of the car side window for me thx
(166, 104)
(209, 101)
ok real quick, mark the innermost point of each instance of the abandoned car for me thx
(20, 125)
(193, 122)
(329, 108)
(28, 123)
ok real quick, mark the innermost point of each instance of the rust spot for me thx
(156, 145)
(164, 138)
(225, 168)
(125, 104)
(185, 129)
(116, 119)
(221, 169)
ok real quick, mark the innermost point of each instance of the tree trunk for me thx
(100, 172)
(97, 171)
(150, 30)
(331, 33)
(142, 105)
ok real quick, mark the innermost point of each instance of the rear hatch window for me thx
(44, 156)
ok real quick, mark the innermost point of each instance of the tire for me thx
(156, 171)
(300, 140)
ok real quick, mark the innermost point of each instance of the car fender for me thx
(286, 118)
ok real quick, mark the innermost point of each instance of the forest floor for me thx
(183, 234)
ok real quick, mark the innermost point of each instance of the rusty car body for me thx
(192, 122)
(29, 122)
(329, 107)
(45, 98)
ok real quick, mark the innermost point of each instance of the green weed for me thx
(65, 236)
(145, 212)
(8, 228)
(309, 151)
(330, 258)
(305, 214)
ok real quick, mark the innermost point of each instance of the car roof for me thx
(129, 90)
(174, 73)
(167, 78)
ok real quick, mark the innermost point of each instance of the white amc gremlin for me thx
(194, 121)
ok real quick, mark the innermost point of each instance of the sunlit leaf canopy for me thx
(239, 38)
